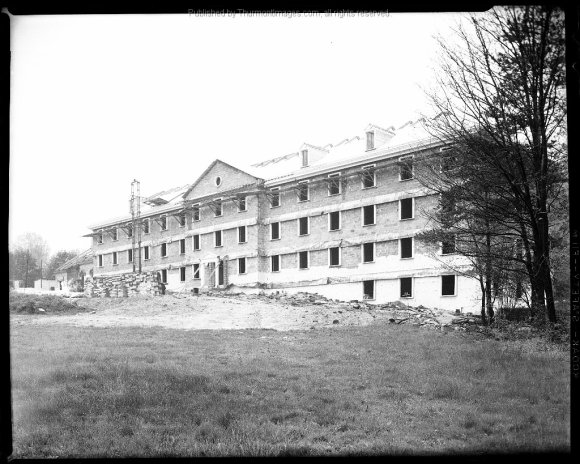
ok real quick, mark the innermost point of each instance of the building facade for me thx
(71, 274)
(338, 220)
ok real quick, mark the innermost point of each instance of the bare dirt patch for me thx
(213, 312)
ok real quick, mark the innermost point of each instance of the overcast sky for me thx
(99, 100)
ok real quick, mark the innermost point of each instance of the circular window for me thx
(218, 181)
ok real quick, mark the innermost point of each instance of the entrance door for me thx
(221, 273)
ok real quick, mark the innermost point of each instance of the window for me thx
(115, 234)
(334, 220)
(181, 219)
(334, 256)
(164, 276)
(242, 234)
(163, 221)
(196, 242)
(218, 181)
(406, 168)
(275, 263)
(448, 160)
(407, 247)
(519, 290)
(182, 246)
(333, 184)
(129, 256)
(195, 216)
(447, 204)
(304, 157)
(303, 228)
(448, 245)
(182, 274)
(163, 250)
(241, 265)
(370, 140)
(406, 287)
(100, 237)
(368, 289)
(368, 215)
(368, 177)
(130, 230)
(406, 208)
(146, 225)
(368, 250)
(242, 204)
(115, 262)
(303, 260)
(275, 197)
(218, 207)
(100, 260)
(448, 285)
(303, 191)
(218, 238)
(196, 271)
(275, 231)
(146, 252)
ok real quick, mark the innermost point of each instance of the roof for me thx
(165, 196)
(201, 176)
(85, 257)
(410, 136)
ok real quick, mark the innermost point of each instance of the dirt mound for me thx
(37, 304)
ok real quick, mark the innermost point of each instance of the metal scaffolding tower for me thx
(135, 208)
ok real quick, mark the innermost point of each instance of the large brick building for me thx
(338, 220)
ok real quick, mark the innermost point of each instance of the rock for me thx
(40, 310)
(356, 306)
(335, 321)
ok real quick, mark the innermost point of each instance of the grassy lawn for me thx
(88, 392)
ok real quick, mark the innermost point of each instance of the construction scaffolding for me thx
(135, 209)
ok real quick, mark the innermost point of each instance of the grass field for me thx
(381, 389)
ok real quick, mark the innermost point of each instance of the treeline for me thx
(29, 259)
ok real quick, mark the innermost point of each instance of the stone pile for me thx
(397, 312)
(123, 285)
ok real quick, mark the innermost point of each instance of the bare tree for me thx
(503, 83)
(472, 220)
(36, 251)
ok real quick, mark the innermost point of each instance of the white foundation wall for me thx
(426, 292)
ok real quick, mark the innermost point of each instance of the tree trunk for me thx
(489, 301)
(545, 275)
(482, 286)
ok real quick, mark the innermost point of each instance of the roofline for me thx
(360, 159)
(212, 164)
(172, 207)
(410, 147)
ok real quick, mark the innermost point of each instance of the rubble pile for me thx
(123, 285)
(396, 312)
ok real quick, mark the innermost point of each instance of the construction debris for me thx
(397, 312)
(124, 285)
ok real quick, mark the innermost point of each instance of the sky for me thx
(99, 100)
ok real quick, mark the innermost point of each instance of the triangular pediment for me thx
(217, 178)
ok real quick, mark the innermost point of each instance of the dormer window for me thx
(304, 156)
(370, 140)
